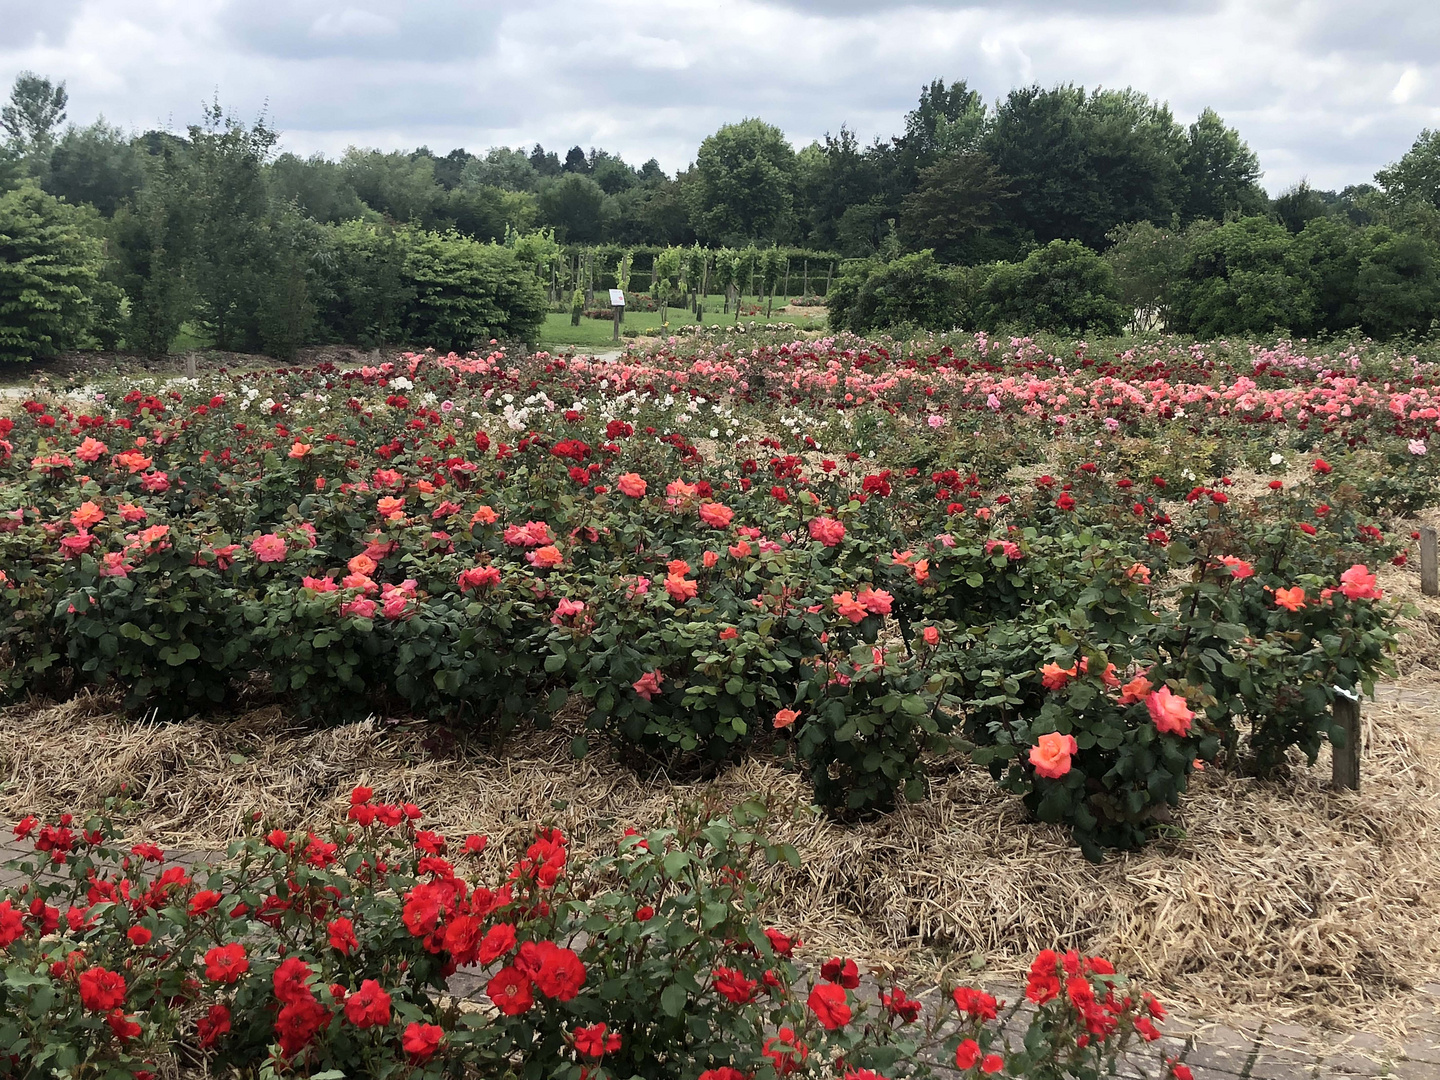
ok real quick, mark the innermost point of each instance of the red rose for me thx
(101, 990)
(830, 1005)
(592, 1042)
(510, 991)
(342, 936)
(421, 1041)
(561, 974)
(298, 1023)
(213, 1025)
(966, 1054)
(843, 972)
(369, 1006)
(290, 980)
(226, 963)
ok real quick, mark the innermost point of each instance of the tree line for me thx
(1006, 209)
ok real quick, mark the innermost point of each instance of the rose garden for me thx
(742, 705)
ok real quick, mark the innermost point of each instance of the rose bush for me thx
(311, 954)
(480, 541)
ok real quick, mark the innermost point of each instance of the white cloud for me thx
(1324, 89)
(352, 23)
(1405, 87)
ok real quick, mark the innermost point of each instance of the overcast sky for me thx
(1328, 90)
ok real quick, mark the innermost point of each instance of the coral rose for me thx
(1291, 599)
(1358, 583)
(1169, 712)
(1051, 755)
(268, 548)
(716, 515)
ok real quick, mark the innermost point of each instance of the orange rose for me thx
(1051, 755)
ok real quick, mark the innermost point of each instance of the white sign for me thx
(617, 298)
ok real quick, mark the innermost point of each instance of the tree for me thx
(230, 210)
(1082, 163)
(151, 241)
(953, 206)
(36, 109)
(50, 268)
(367, 293)
(744, 185)
(503, 168)
(401, 186)
(1326, 258)
(831, 178)
(574, 206)
(1299, 204)
(1416, 176)
(545, 164)
(487, 213)
(317, 186)
(98, 165)
(285, 316)
(1398, 284)
(611, 172)
(1240, 278)
(1147, 261)
(1220, 173)
(1063, 287)
(576, 161)
(450, 169)
(948, 120)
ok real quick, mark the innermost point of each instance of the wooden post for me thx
(617, 309)
(1429, 571)
(190, 373)
(787, 281)
(1345, 767)
(805, 288)
(828, 270)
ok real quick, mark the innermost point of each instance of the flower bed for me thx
(482, 541)
(314, 953)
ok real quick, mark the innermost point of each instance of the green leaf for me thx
(18, 977)
(673, 999)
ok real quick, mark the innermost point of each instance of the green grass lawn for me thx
(556, 332)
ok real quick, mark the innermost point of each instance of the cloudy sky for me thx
(1327, 90)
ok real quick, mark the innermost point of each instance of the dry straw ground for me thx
(1284, 900)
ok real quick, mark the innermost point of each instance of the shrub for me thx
(316, 953)
(467, 292)
(913, 290)
(1062, 287)
(364, 541)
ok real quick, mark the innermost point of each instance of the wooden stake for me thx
(1345, 769)
(1429, 571)
(190, 374)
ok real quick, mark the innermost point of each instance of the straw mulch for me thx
(1281, 901)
